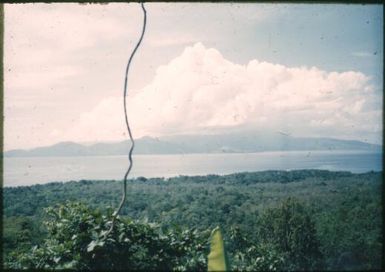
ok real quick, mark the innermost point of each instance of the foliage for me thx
(354, 235)
(341, 212)
(250, 255)
(291, 231)
(217, 259)
(19, 234)
(76, 240)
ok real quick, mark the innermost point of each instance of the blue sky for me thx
(307, 69)
(329, 36)
(332, 37)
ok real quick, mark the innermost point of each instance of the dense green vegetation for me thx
(296, 220)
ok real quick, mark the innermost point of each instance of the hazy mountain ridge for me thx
(179, 144)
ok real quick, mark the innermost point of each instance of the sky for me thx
(308, 70)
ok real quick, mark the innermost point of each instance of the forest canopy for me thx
(272, 220)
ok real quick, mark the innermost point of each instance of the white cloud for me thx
(171, 40)
(44, 77)
(62, 59)
(59, 27)
(45, 44)
(200, 89)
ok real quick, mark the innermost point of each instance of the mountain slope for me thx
(179, 144)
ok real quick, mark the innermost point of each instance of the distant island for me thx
(190, 144)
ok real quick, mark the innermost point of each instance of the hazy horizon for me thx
(307, 70)
(88, 143)
(167, 138)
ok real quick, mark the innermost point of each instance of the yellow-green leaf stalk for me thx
(217, 260)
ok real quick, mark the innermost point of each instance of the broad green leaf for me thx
(93, 244)
(217, 260)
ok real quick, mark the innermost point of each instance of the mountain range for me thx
(184, 144)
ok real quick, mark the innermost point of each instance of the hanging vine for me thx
(116, 213)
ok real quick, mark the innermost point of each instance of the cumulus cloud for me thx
(201, 90)
(62, 27)
(43, 43)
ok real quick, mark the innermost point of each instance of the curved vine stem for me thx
(115, 214)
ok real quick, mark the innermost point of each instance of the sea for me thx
(25, 171)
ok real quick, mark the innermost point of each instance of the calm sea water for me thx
(28, 171)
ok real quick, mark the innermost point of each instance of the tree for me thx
(291, 231)
(246, 254)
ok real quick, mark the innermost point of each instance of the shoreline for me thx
(142, 179)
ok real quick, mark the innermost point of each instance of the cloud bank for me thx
(201, 91)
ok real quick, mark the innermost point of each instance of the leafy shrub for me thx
(248, 255)
(76, 240)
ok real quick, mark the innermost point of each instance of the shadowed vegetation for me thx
(272, 220)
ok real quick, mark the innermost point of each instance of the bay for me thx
(39, 170)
